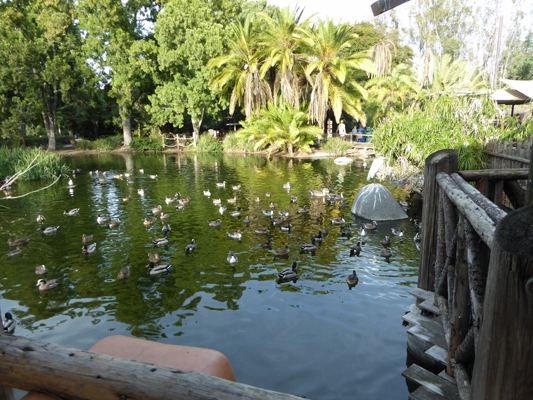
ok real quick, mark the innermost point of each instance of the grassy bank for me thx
(17, 159)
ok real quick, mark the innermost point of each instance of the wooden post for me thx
(504, 362)
(440, 161)
(529, 190)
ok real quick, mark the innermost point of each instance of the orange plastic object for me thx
(206, 361)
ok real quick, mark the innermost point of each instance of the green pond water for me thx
(314, 337)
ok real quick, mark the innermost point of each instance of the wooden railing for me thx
(479, 262)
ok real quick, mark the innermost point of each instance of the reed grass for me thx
(208, 144)
(235, 142)
(336, 146)
(13, 160)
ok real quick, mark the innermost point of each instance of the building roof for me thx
(509, 96)
(524, 87)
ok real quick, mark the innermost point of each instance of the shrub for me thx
(146, 143)
(208, 144)
(233, 141)
(84, 145)
(108, 143)
(14, 160)
(336, 146)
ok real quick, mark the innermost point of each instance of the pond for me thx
(313, 337)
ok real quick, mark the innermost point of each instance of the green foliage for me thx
(13, 160)
(236, 142)
(514, 131)
(336, 146)
(84, 145)
(445, 123)
(108, 143)
(146, 143)
(42, 141)
(280, 128)
(208, 144)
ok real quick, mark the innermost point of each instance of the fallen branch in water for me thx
(17, 175)
(35, 191)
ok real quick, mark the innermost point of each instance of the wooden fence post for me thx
(440, 161)
(504, 365)
(529, 190)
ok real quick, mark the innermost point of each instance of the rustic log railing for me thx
(479, 262)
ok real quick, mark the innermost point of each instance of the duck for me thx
(338, 221)
(417, 238)
(186, 201)
(238, 187)
(246, 220)
(235, 213)
(294, 199)
(262, 231)
(356, 250)
(385, 252)
(101, 180)
(303, 210)
(221, 184)
(18, 242)
(289, 273)
(214, 224)
(161, 241)
(157, 210)
(207, 193)
(154, 257)
(277, 221)
(232, 258)
(74, 211)
(14, 253)
(114, 223)
(309, 246)
(164, 216)
(190, 247)
(352, 279)
(257, 199)
(320, 218)
(336, 196)
(153, 176)
(342, 205)
(416, 223)
(9, 323)
(124, 273)
(127, 175)
(155, 270)
(70, 183)
(217, 202)
(268, 194)
(235, 235)
(49, 230)
(281, 252)
(331, 202)
(267, 244)
(41, 270)
(396, 232)
(287, 185)
(148, 222)
(140, 192)
(141, 171)
(222, 209)
(418, 245)
(371, 227)
(404, 204)
(319, 193)
(101, 219)
(386, 242)
(286, 228)
(47, 285)
(283, 214)
(127, 198)
(325, 231)
(40, 218)
(362, 231)
(272, 206)
(88, 249)
(318, 237)
(169, 200)
(346, 231)
(180, 206)
(269, 213)
(87, 238)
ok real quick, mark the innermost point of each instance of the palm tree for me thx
(332, 72)
(242, 70)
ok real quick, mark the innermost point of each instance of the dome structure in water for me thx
(376, 203)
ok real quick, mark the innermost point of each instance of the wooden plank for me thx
(423, 393)
(422, 294)
(508, 157)
(494, 174)
(428, 335)
(429, 306)
(418, 319)
(439, 354)
(447, 377)
(417, 374)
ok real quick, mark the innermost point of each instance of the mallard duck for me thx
(180, 206)
(169, 200)
(417, 238)
(74, 211)
(9, 323)
(40, 218)
(356, 250)
(222, 209)
(88, 249)
(268, 213)
(49, 230)
(140, 192)
(287, 185)
(235, 235)
(272, 206)
(338, 221)
(416, 224)
(238, 187)
(246, 220)
(102, 180)
(18, 242)
(207, 193)
(268, 194)
(114, 223)
(217, 202)
(214, 224)
(186, 200)
(7, 192)
(262, 231)
(232, 258)
(232, 201)
(221, 184)
(362, 231)
(164, 216)
(127, 175)
(148, 222)
(124, 273)
(153, 176)
(101, 219)
(14, 253)
(309, 246)
(277, 221)
(126, 198)
(235, 213)
(346, 231)
(418, 245)
(154, 258)
(47, 285)
(336, 196)
(286, 228)
(190, 247)
(70, 183)
(331, 202)
(396, 232)
(371, 227)
(318, 237)
(319, 193)
(41, 270)
(257, 199)
(343, 205)
(281, 252)
(325, 231)
(155, 270)
(320, 218)
(294, 199)
(161, 241)
(303, 210)
(404, 204)
(352, 279)
(386, 242)
(141, 171)
(87, 238)
(385, 252)
(289, 273)
(268, 244)
(157, 210)
(283, 213)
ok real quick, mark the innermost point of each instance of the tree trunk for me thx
(196, 126)
(125, 115)
(50, 126)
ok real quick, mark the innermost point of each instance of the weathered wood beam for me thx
(529, 190)
(515, 193)
(465, 353)
(463, 381)
(479, 219)
(74, 374)
(508, 157)
(440, 262)
(495, 174)
(381, 6)
(494, 212)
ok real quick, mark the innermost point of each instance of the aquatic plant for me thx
(336, 146)
(236, 142)
(48, 165)
(208, 144)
